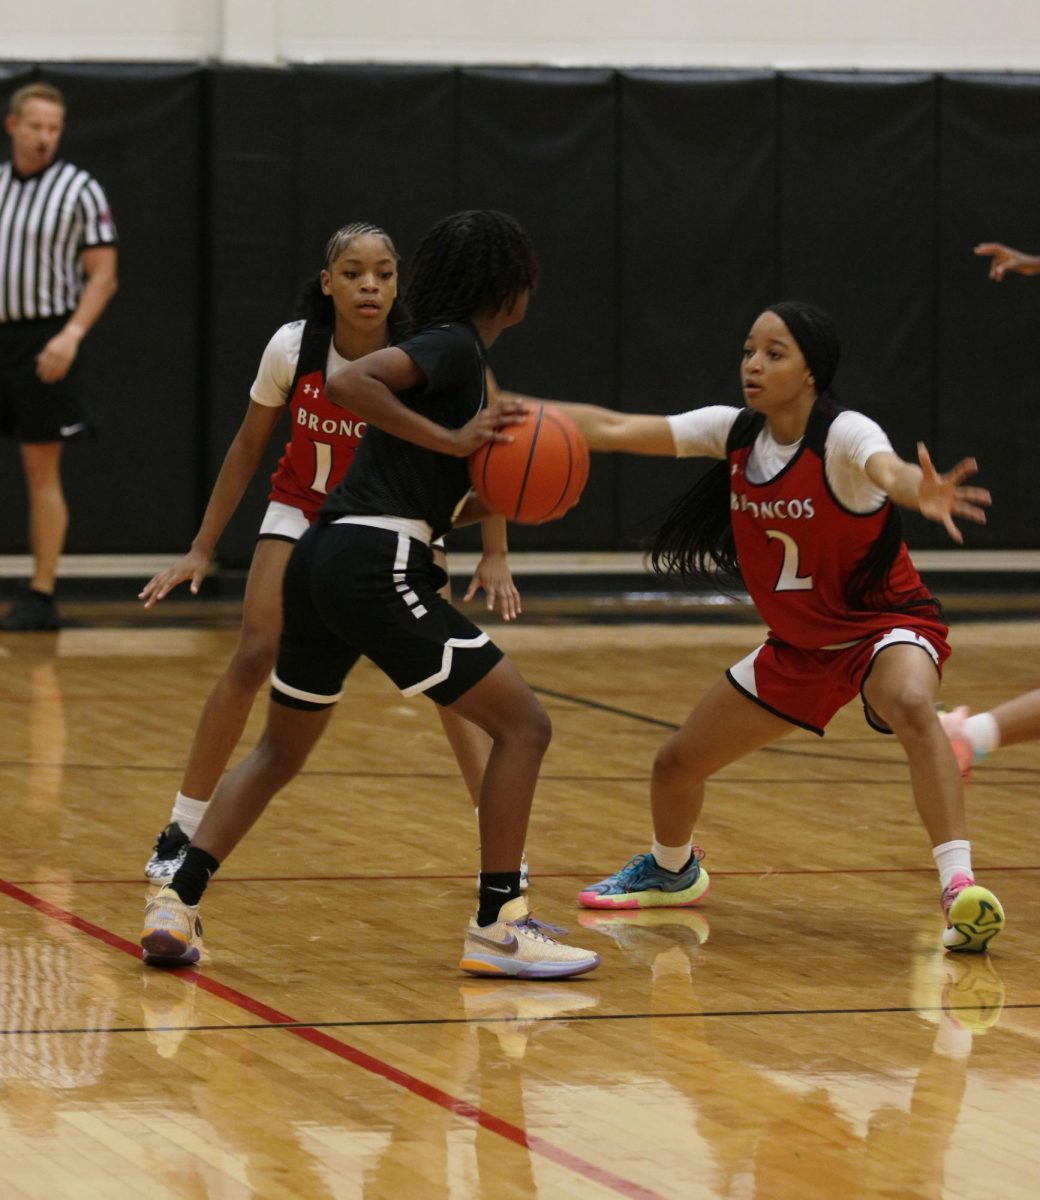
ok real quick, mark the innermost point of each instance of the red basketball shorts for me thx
(807, 687)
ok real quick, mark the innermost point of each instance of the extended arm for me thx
(1005, 259)
(239, 466)
(940, 498)
(605, 429)
(367, 386)
(99, 266)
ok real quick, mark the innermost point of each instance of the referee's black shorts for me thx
(353, 590)
(31, 410)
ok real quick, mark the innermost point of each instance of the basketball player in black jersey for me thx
(362, 581)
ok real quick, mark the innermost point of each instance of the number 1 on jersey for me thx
(322, 466)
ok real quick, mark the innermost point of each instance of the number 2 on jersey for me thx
(789, 580)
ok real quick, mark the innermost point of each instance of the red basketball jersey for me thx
(798, 547)
(324, 436)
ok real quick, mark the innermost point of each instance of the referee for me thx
(57, 274)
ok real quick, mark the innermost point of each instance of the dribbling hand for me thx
(490, 425)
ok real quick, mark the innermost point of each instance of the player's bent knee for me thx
(539, 729)
(910, 710)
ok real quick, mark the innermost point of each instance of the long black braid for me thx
(478, 261)
(313, 305)
(695, 541)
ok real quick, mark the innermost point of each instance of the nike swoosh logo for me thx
(69, 430)
(509, 946)
(495, 889)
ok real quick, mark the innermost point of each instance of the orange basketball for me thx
(537, 476)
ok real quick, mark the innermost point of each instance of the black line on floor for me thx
(419, 1022)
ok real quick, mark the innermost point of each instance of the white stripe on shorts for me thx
(896, 637)
(298, 694)
(284, 521)
(450, 646)
(743, 672)
(422, 531)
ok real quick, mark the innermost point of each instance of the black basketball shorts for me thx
(353, 590)
(31, 410)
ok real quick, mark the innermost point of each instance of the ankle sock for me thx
(952, 858)
(190, 881)
(188, 813)
(496, 888)
(672, 858)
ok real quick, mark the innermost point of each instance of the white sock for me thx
(952, 1041)
(952, 858)
(188, 813)
(983, 732)
(671, 858)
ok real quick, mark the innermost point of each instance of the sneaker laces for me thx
(539, 929)
(636, 861)
(632, 867)
(958, 884)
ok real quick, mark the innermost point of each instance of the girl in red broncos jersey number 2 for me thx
(802, 511)
(349, 310)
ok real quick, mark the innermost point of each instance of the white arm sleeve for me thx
(852, 439)
(274, 376)
(702, 432)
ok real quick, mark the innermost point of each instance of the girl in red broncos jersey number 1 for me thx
(349, 310)
(802, 512)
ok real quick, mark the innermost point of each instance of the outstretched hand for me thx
(192, 566)
(1004, 258)
(491, 424)
(941, 497)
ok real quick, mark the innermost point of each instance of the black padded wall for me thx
(987, 335)
(540, 144)
(668, 207)
(696, 256)
(252, 247)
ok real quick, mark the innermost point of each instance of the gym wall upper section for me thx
(668, 206)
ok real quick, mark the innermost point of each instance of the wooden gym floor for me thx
(801, 1035)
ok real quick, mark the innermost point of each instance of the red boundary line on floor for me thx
(351, 1054)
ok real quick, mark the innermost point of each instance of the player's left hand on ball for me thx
(489, 425)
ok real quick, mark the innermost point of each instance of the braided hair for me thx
(312, 304)
(478, 261)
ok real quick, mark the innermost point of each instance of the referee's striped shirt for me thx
(45, 221)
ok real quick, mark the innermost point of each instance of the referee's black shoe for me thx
(31, 610)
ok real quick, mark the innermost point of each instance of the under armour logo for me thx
(311, 389)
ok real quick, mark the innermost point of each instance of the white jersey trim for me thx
(277, 367)
(851, 440)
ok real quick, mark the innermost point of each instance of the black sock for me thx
(190, 881)
(496, 888)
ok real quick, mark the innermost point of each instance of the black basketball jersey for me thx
(394, 478)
